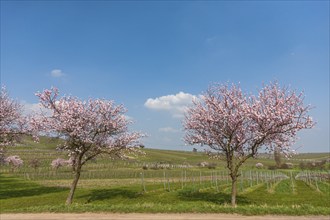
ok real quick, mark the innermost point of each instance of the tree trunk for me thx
(73, 186)
(277, 156)
(233, 191)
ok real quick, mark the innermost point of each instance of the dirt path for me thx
(132, 216)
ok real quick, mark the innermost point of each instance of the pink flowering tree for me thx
(14, 161)
(88, 129)
(59, 162)
(236, 126)
(12, 122)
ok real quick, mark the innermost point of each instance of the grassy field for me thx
(123, 186)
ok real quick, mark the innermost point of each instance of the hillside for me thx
(46, 151)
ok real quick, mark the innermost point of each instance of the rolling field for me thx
(171, 182)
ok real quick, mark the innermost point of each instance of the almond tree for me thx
(12, 123)
(14, 161)
(88, 129)
(237, 126)
(59, 162)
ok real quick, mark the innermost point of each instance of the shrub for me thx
(259, 165)
(34, 163)
(272, 167)
(313, 165)
(203, 164)
(302, 165)
(212, 165)
(286, 166)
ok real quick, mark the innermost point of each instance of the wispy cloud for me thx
(210, 39)
(129, 118)
(31, 108)
(57, 73)
(175, 104)
(168, 130)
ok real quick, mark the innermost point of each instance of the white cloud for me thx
(129, 118)
(31, 108)
(175, 104)
(57, 73)
(168, 130)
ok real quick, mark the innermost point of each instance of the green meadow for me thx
(161, 181)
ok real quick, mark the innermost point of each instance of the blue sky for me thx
(154, 56)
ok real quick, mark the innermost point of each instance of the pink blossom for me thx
(226, 119)
(14, 161)
(87, 129)
(59, 162)
(12, 123)
(238, 125)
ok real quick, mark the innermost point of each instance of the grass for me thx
(115, 186)
(18, 195)
(284, 196)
